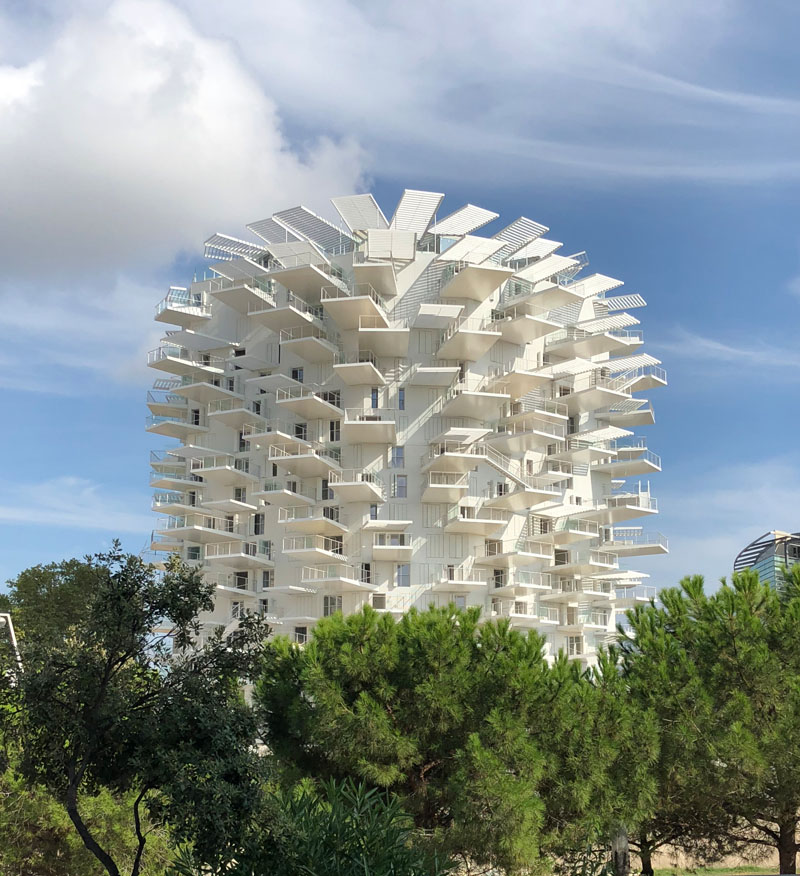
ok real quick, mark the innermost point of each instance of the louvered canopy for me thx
(465, 220)
(221, 246)
(415, 211)
(471, 249)
(360, 212)
(326, 235)
(272, 232)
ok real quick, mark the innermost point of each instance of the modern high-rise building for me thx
(406, 412)
(769, 554)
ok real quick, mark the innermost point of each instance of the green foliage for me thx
(111, 706)
(722, 673)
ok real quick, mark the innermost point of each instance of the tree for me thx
(722, 673)
(113, 706)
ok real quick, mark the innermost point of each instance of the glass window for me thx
(258, 524)
(397, 457)
(334, 430)
(400, 487)
(373, 512)
(266, 579)
(379, 601)
(193, 552)
(297, 374)
(330, 605)
(301, 635)
(402, 575)
(240, 580)
(401, 399)
(374, 397)
(366, 573)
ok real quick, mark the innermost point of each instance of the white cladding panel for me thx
(415, 210)
(272, 231)
(360, 212)
(386, 245)
(471, 249)
(465, 220)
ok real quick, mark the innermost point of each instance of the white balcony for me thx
(369, 426)
(174, 477)
(313, 519)
(524, 613)
(432, 375)
(202, 387)
(577, 591)
(392, 546)
(590, 392)
(628, 413)
(575, 620)
(555, 471)
(231, 506)
(445, 486)
(578, 451)
(455, 456)
(335, 578)
(389, 341)
(518, 377)
(226, 470)
(377, 273)
(460, 578)
(304, 279)
(628, 460)
(184, 428)
(308, 404)
(563, 530)
(630, 597)
(645, 377)
(175, 503)
(385, 524)
(471, 520)
(519, 582)
(544, 408)
(583, 562)
(508, 554)
(475, 282)
(623, 506)
(285, 492)
(244, 294)
(358, 369)
(524, 323)
(357, 485)
(529, 432)
(633, 542)
(180, 360)
(346, 307)
(164, 403)
(242, 556)
(309, 343)
(291, 313)
(233, 412)
(518, 496)
(183, 307)
(201, 528)
(473, 400)
(313, 548)
(468, 339)
(166, 543)
(312, 461)
(266, 433)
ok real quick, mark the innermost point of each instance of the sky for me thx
(660, 137)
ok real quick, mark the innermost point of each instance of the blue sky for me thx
(660, 137)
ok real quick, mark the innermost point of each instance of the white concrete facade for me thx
(404, 413)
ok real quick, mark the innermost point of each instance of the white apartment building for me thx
(402, 413)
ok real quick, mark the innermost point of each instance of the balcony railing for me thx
(479, 514)
(287, 451)
(313, 542)
(241, 464)
(357, 290)
(536, 406)
(172, 351)
(298, 333)
(203, 521)
(641, 591)
(299, 513)
(164, 397)
(392, 539)
(465, 574)
(284, 427)
(274, 485)
(260, 287)
(467, 324)
(355, 476)
(262, 549)
(183, 300)
(221, 405)
(301, 392)
(447, 479)
(357, 358)
(311, 574)
(369, 415)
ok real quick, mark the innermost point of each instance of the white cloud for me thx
(751, 358)
(72, 503)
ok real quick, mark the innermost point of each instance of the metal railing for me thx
(183, 300)
(164, 397)
(536, 406)
(357, 290)
(357, 358)
(447, 479)
(262, 549)
(298, 333)
(465, 574)
(222, 405)
(287, 451)
(241, 464)
(261, 288)
(310, 574)
(173, 351)
(532, 423)
(636, 538)
(268, 427)
(295, 393)
(392, 539)
(202, 521)
(467, 324)
(274, 485)
(299, 513)
(369, 415)
(478, 514)
(640, 591)
(313, 542)
(354, 476)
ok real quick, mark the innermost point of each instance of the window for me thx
(330, 605)
(335, 430)
(460, 601)
(297, 374)
(239, 494)
(402, 575)
(397, 457)
(400, 487)
(379, 601)
(401, 399)
(257, 408)
(574, 645)
(237, 610)
(195, 417)
(499, 577)
(301, 431)
(274, 469)
(263, 606)
(301, 635)
(373, 512)
(327, 492)
(266, 579)
(230, 383)
(258, 524)
(374, 400)
(243, 445)
(191, 498)
(240, 580)
(366, 573)
(193, 553)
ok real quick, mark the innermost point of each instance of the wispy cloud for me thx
(72, 503)
(753, 356)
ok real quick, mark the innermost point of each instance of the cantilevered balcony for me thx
(265, 433)
(453, 456)
(390, 341)
(460, 578)
(575, 620)
(645, 377)
(573, 342)
(525, 613)
(166, 542)
(346, 307)
(528, 432)
(201, 528)
(518, 582)
(392, 546)
(467, 339)
(472, 399)
(444, 486)
(630, 597)
(165, 403)
(169, 472)
(358, 369)
(555, 471)
(524, 323)
(233, 412)
(578, 590)
(544, 408)
(518, 377)
(369, 426)
(524, 493)
(357, 485)
(335, 578)
(240, 555)
(313, 519)
(633, 542)
(183, 307)
(473, 281)
(622, 506)
(226, 470)
(309, 343)
(288, 312)
(181, 427)
(591, 391)
(378, 273)
(200, 386)
(285, 492)
(307, 403)
(628, 413)
(180, 360)
(244, 294)
(305, 279)
(238, 503)
(312, 461)
(628, 457)
(583, 562)
(562, 530)
(472, 520)
(508, 554)
(175, 503)
(442, 374)
(313, 548)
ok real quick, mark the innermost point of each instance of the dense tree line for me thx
(415, 746)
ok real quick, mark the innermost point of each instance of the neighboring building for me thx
(404, 413)
(768, 554)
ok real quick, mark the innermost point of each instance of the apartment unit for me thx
(406, 412)
(769, 555)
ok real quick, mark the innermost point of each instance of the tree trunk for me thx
(83, 831)
(646, 857)
(787, 848)
(620, 853)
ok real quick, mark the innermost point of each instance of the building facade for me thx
(769, 555)
(403, 413)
